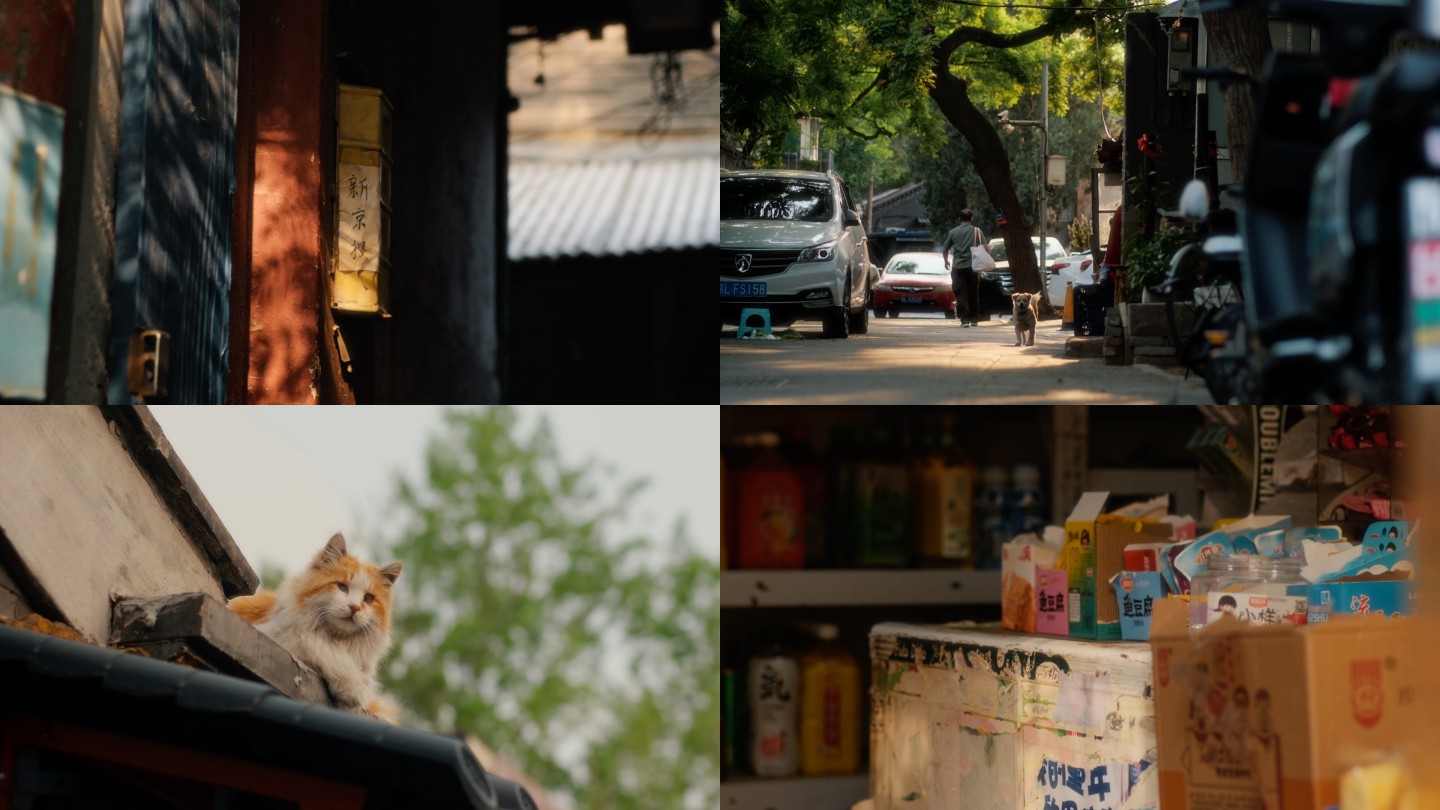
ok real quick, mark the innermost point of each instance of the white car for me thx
(791, 242)
(1073, 269)
(1053, 250)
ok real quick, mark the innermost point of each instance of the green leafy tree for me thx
(524, 617)
(912, 66)
(948, 186)
(861, 162)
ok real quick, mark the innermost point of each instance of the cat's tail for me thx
(383, 709)
(254, 609)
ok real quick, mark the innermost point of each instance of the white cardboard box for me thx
(982, 718)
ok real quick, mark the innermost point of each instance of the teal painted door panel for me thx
(30, 148)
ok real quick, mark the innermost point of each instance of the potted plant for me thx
(1147, 261)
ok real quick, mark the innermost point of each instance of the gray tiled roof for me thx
(615, 207)
(122, 693)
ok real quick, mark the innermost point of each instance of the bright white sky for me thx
(283, 479)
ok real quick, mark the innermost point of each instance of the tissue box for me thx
(1019, 561)
(1251, 717)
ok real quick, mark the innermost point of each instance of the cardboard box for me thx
(985, 719)
(1270, 717)
(1112, 535)
(1079, 561)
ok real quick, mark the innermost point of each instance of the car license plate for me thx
(912, 299)
(742, 289)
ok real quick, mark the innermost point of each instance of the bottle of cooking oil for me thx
(830, 719)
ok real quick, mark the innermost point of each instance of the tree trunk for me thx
(992, 164)
(1239, 39)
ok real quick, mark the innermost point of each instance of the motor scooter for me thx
(1327, 316)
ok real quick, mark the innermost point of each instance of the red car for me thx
(914, 282)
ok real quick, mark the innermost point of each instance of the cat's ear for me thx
(391, 572)
(333, 552)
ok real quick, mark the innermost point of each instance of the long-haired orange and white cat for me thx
(334, 617)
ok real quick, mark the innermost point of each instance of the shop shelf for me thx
(805, 793)
(832, 588)
(1375, 459)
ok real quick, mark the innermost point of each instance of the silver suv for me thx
(792, 242)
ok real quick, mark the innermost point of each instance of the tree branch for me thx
(1065, 17)
(879, 130)
(881, 79)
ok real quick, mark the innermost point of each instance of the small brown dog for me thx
(1027, 313)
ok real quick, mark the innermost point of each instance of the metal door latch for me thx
(342, 348)
(150, 363)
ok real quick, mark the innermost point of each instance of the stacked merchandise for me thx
(887, 496)
(1117, 564)
(1271, 642)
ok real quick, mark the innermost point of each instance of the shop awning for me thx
(601, 208)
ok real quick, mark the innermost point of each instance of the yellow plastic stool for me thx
(746, 314)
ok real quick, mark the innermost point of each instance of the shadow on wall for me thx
(172, 266)
(284, 321)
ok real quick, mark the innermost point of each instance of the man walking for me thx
(961, 238)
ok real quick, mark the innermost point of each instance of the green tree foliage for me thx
(271, 575)
(912, 67)
(949, 182)
(761, 86)
(524, 617)
(882, 161)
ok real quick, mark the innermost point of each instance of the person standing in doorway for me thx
(967, 287)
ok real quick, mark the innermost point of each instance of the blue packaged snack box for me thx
(1386, 535)
(1136, 593)
(1361, 598)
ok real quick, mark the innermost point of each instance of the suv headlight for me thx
(819, 253)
